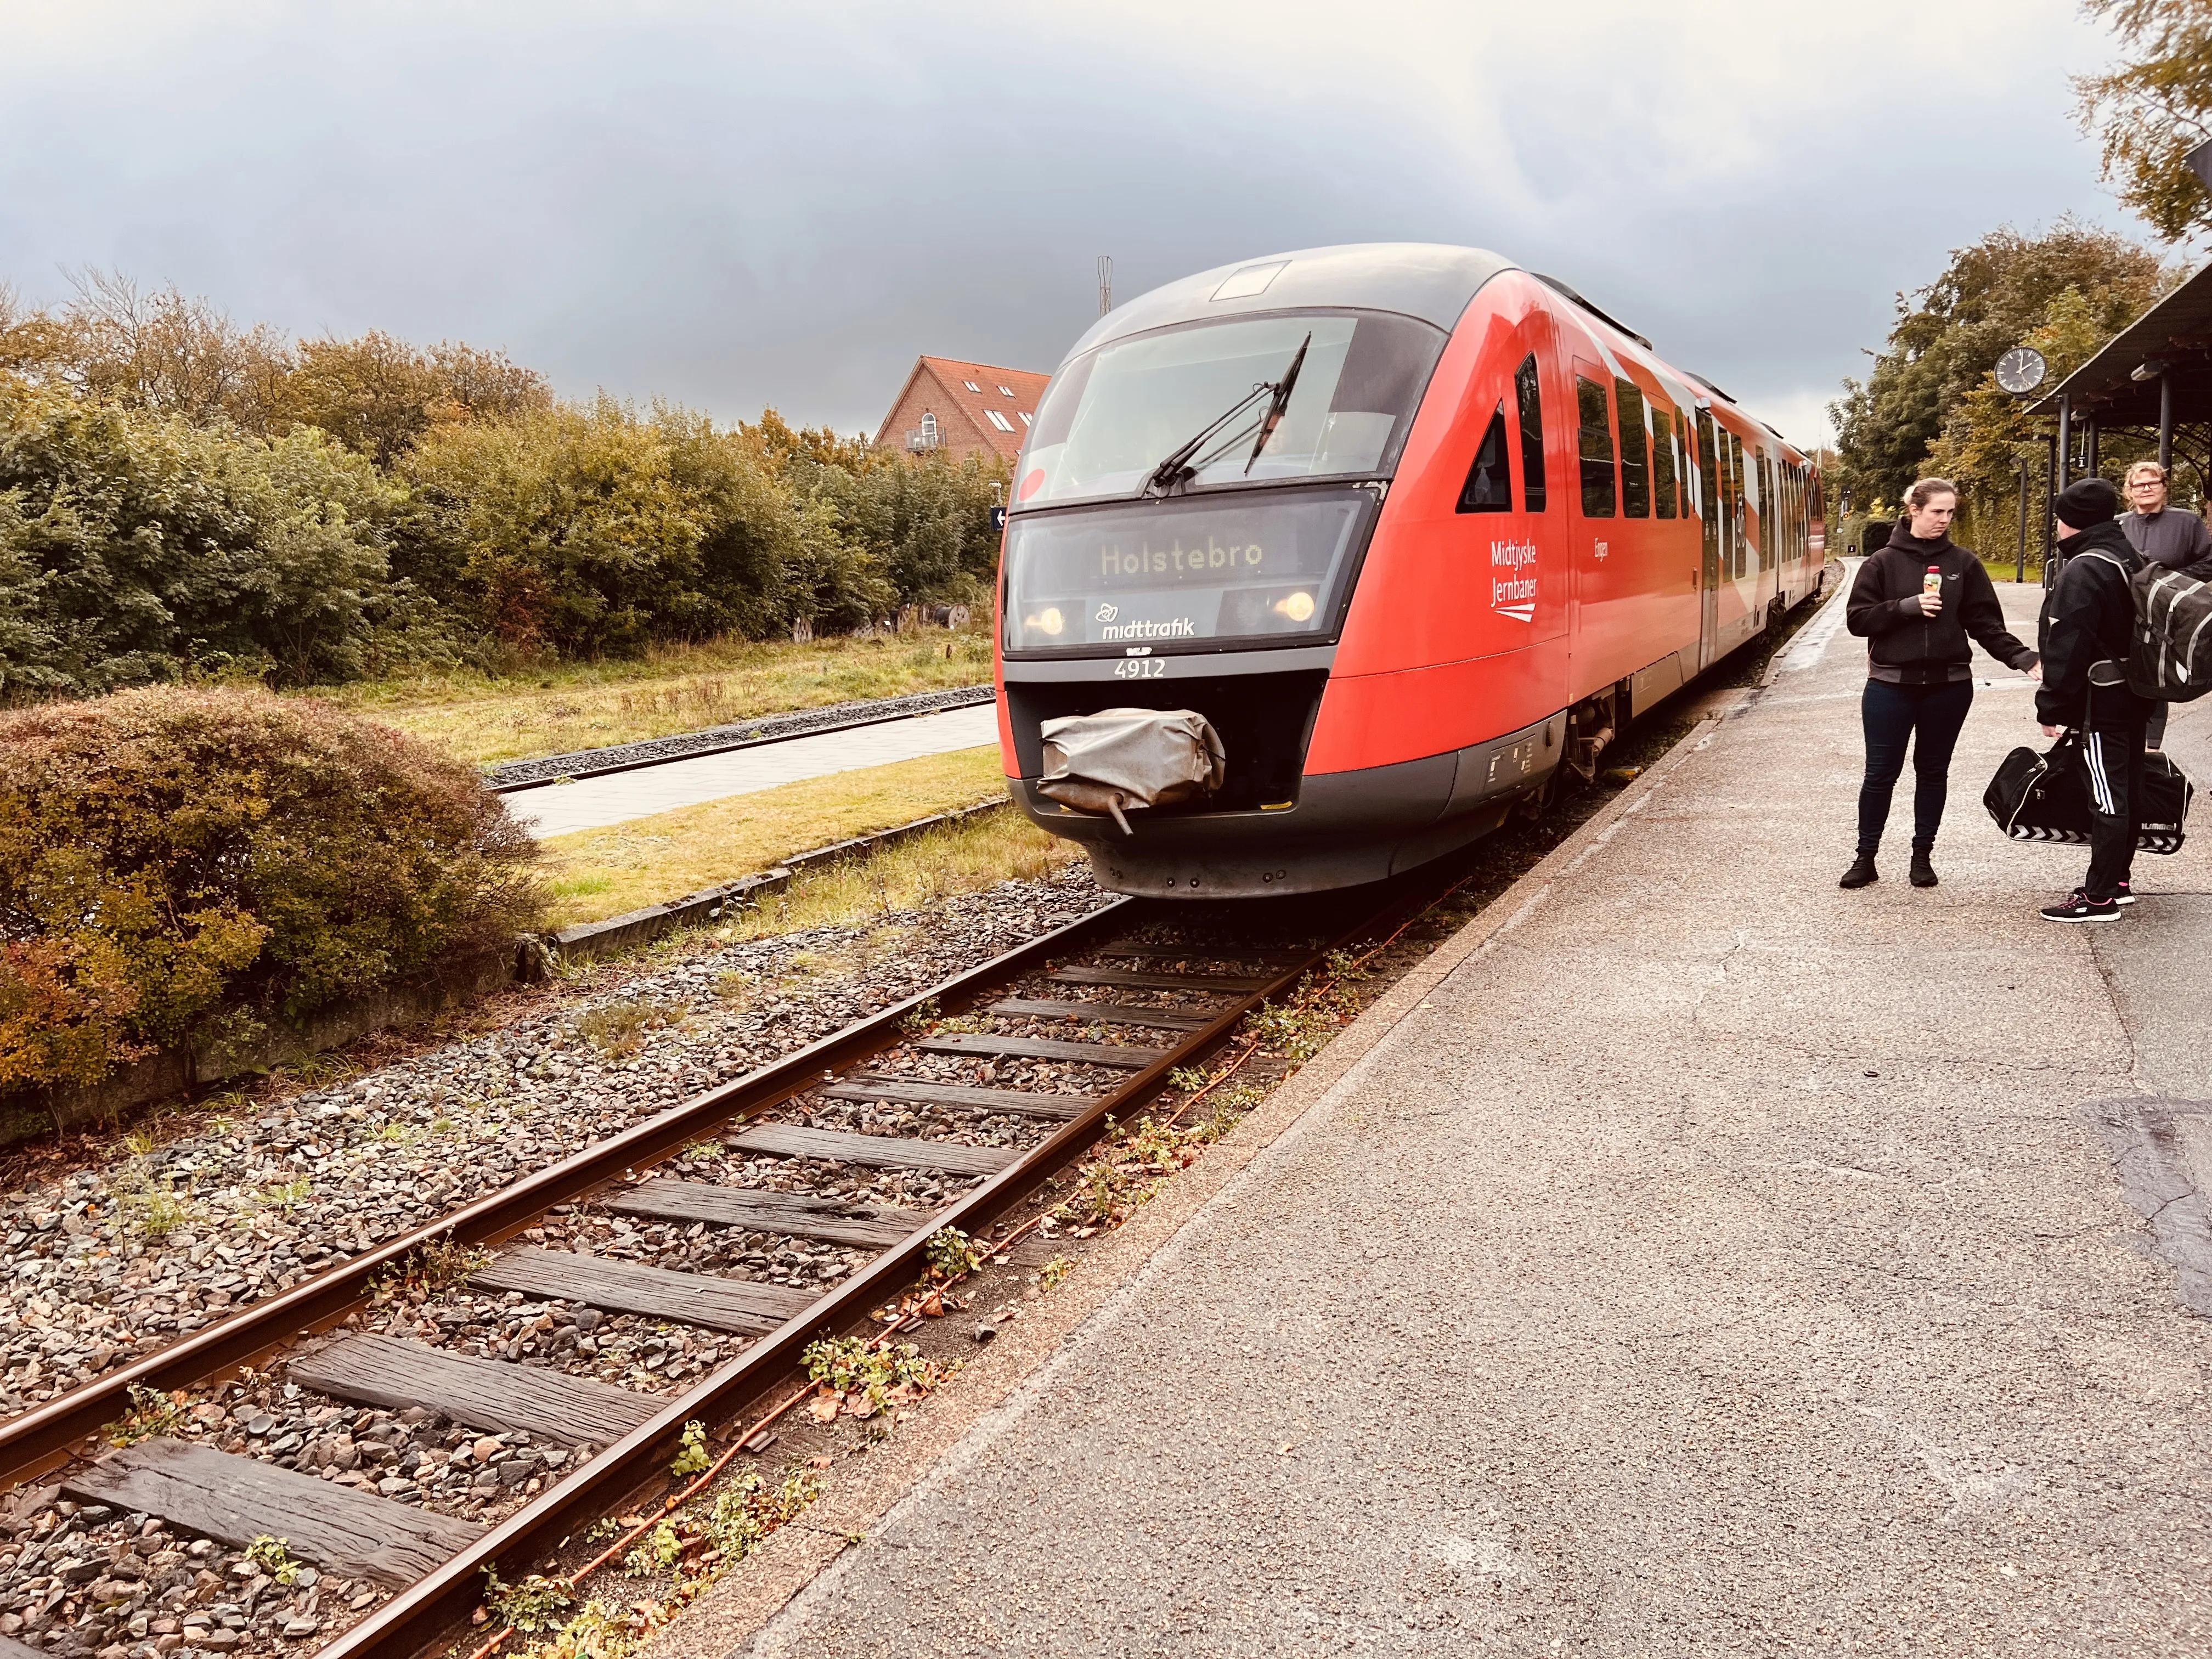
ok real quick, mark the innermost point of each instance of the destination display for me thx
(1260, 565)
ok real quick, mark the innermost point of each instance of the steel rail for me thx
(438, 1605)
(43, 1436)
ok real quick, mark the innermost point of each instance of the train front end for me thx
(1199, 492)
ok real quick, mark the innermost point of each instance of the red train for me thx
(1456, 526)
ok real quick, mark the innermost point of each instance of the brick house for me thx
(946, 403)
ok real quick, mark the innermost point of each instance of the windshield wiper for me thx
(1180, 468)
(1281, 402)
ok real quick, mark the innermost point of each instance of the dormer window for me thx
(998, 420)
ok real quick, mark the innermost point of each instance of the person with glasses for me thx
(2179, 541)
(2165, 535)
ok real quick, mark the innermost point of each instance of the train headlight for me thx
(1299, 607)
(1049, 621)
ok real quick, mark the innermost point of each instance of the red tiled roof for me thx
(952, 377)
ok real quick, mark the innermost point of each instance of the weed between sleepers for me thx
(274, 1557)
(152, 1413)
(598, 1631)
(436, 1264)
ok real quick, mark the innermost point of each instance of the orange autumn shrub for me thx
(180, 866)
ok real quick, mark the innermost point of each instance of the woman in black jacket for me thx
(1914, 602)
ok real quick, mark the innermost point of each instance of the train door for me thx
(1593, 510)
(1713, 502)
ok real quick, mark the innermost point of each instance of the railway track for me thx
(980, 1090)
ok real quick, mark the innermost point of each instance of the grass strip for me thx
(487, 720)
(597, 873)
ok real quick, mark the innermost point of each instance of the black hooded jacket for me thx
(1907, 648)
(2088, 616)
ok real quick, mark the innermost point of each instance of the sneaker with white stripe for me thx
(2082, 907)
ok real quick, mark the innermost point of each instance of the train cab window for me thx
(1596, 449)
(1489, 486)
(1635, 452)
(1530, 397)
(1662, 464)
(1111, 416)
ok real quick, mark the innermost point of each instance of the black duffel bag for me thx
(2046, 798)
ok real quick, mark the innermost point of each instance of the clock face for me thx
(2020, 369)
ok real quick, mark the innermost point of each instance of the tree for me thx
(2154, 108)
(378, 395)
(1988, 433)
(154, 350)
(924, 520)
(1993, 295)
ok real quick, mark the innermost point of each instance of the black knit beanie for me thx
(2086, 502)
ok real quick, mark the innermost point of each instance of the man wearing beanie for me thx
(2088, 620)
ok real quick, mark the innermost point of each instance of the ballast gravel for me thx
(84, 1580)
(104, 1265)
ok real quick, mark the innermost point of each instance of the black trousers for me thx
(2114, 758)
(1928, 717)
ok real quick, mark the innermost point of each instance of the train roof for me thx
(1431, 281)
(1425, 280)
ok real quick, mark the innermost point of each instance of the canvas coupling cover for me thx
(1120, 758)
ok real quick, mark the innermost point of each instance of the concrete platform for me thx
(593, 803)
(1711, 1261)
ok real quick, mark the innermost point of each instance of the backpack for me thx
(2170, 656)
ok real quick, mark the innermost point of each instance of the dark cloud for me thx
(736, 205)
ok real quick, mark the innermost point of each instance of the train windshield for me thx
(1112, 416)
(1261, 567)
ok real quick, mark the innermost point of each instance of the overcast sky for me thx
(734, 204)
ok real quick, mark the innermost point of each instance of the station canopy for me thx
(2119, 386)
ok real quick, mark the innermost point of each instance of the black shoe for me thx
(1861, 872)
(2082, 907)
(2121, 893)
(1924, 872)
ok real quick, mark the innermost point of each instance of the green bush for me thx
(178, 866)
(137, 547)
(596, 531)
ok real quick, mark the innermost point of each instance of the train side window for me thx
(1769, 514)
(1663, 463)
(1489, 486)
(1596, 449)
(1635, 452)
(1710, 496)
(1530, 399)
(1739, 502)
